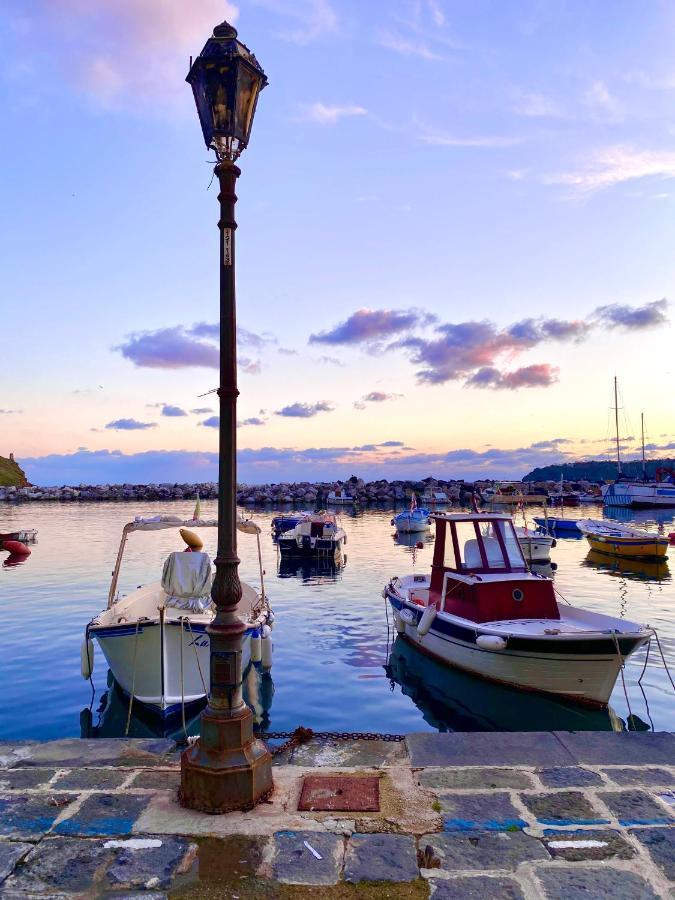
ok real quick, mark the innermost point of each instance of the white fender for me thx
(399, 623)
(490, 642)
(256, 646)
(266, 647)
(425, 622)
(87, 658)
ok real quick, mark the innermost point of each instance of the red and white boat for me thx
(482, 610)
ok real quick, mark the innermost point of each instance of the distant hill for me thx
(11, 473)
(595, 470)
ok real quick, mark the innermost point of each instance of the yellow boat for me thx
(617, 539)
(630, 567)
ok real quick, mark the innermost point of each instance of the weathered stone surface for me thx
(12, 752)
(580, 883)
(485, 850)
(478, 887)
(381, 857)
(371, 754)
(569, 776)
(105, 814)
(639, 748)
(27, 815)
(154, 780)
(483, 778)
(77, 753)
(536, 748)
(563, 808)
(90, 779)
(660, 842)
(660, 777)
(59, 865)
(152, 867)
(294, 863)
(635, 808)
(565, 845)
(20, 779)
(10, 854)
(480, 812)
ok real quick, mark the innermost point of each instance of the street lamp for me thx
(226, 768)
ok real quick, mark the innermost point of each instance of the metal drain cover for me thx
(340, 793)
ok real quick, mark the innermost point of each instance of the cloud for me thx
(168, 348)
(254, 420)
(304, 410)
(550, 445)
(375, 397)
(536, 105)
(330, 361)
(125, 54)
(201, 410)
(601, 104)
(130, 425)
(312, 18)
(321, 114)
(436, 12)
(406, 46)
(634, 318)
(485, 141)
(611, 166)
(539, 375)
(371, 324)
(212, 422)
(10, 412)
(285, 351)
(180, 347)
(173, 411)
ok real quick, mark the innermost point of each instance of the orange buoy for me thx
(16, 548)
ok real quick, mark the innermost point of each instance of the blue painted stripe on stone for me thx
(451, 824)
(659, 820)
(106, 827)
(573, 821)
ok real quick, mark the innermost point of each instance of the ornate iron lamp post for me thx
(226, 768)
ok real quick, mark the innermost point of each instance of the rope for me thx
(187, 619)
(133, 681)
(663, 658)
(182, 684)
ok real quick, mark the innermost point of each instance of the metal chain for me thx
(303, 735)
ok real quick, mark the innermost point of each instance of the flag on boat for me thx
(196, 516)
(474, 502)
(413, 502)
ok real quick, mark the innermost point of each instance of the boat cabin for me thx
(479, 572)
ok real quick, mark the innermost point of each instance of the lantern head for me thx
(226, 79)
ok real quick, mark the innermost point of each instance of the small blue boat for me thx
(558, 526)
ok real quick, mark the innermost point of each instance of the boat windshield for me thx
(483, 546)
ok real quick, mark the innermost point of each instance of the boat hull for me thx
(536, 549)
(583, 671)
(148, 665)
(627, 548)
(639, 496)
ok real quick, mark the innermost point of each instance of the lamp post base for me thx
(227, 769)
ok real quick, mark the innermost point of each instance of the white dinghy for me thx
(155, 639)
(481, 610)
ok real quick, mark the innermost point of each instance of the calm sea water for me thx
(336, 664)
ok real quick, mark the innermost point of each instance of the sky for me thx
(456, 226)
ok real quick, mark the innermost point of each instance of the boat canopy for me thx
(155, 523)
(470, 543)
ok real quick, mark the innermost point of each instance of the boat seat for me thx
(472, 558)
(186, 580)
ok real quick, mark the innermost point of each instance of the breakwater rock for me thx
(302, 493)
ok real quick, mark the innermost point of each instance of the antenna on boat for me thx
(616, 419)
(644, 464)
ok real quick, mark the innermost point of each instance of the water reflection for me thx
(317, 570)
(452, 700)
(632, 569)
(109, 720)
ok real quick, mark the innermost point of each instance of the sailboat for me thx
(636, 492)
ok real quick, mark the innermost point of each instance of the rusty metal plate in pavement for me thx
(340, 793)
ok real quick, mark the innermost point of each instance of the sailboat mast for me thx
(616, 419)
(644, 464)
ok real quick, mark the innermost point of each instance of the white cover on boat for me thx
(186, 579)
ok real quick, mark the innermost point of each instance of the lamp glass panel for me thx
(247, 93)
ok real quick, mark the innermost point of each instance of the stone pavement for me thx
(528, 815)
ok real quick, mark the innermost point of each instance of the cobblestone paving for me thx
(99, 819)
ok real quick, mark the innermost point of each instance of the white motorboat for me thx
(155, 639)
(481, 610)
(536, 547)
(414, 520)
(315, 535)
(435, 498)
(339, 497)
